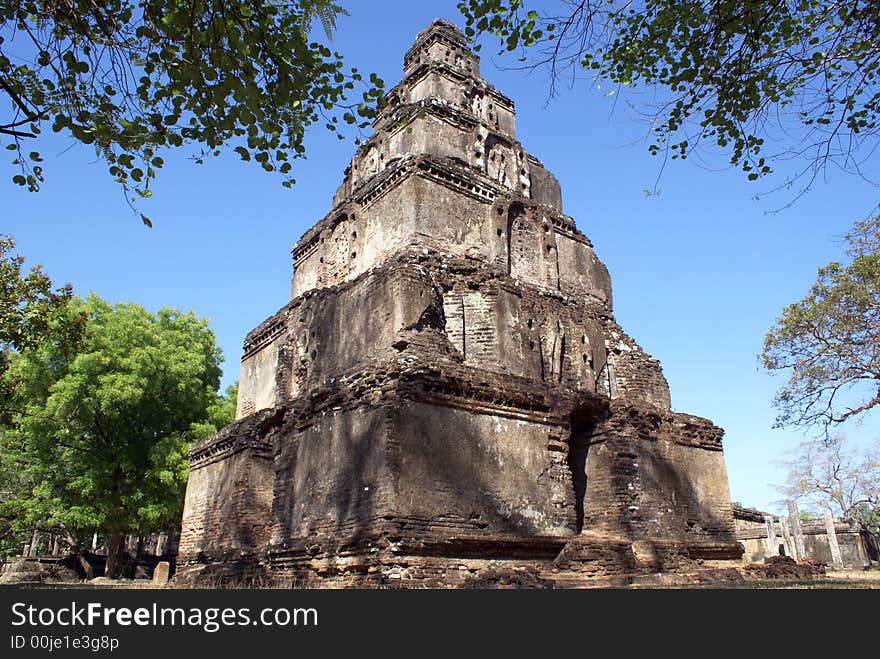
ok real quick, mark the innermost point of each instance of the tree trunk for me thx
(84, 565)
(139, 552)
(112, 567)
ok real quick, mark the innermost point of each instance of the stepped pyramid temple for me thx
(447, 399)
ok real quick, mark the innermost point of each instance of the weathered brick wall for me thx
(489, 322)
(756, 549)
(499, 471)
(652, 474)
(350, 240)
(442, 205)
(328, 339)
(316, 337)
(337, 253)
(633, 375)
(441, 216)
(524, 241)
(229, 492)
(433, 136)
(471, 325)
(850, 541)
(430, 471)
(518, 330)
(544, 187)
(332, 480)
(257, 388)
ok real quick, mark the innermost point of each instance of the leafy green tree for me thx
(762, 81)
(133, 77)
(28, 302)
(102, 437)
(32, 311)
(830, 474)
(220, 412)
(829, 342)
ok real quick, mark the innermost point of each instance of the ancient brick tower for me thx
(447, 395)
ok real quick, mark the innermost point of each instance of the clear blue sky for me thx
(699, 271)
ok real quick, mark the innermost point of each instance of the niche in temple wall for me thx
(371, 162)
(476, 104)
(366, 164)
(523, 245)
(335, 264)
(500, 162)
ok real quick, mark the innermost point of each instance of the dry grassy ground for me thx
(853, 579)
(844, 579)
(833, 580)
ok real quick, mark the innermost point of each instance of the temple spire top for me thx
(441, 42)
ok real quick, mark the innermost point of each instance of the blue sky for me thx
(700, 271)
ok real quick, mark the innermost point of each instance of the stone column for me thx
(789, 545)
(836, 558)
(794, 517)
(772, 542)
(35, 543)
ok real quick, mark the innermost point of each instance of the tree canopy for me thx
(101, 437)
(763, 82)
(829, 342)
(32, 309)
(135, 77)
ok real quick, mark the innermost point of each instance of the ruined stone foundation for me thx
(447, 399)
